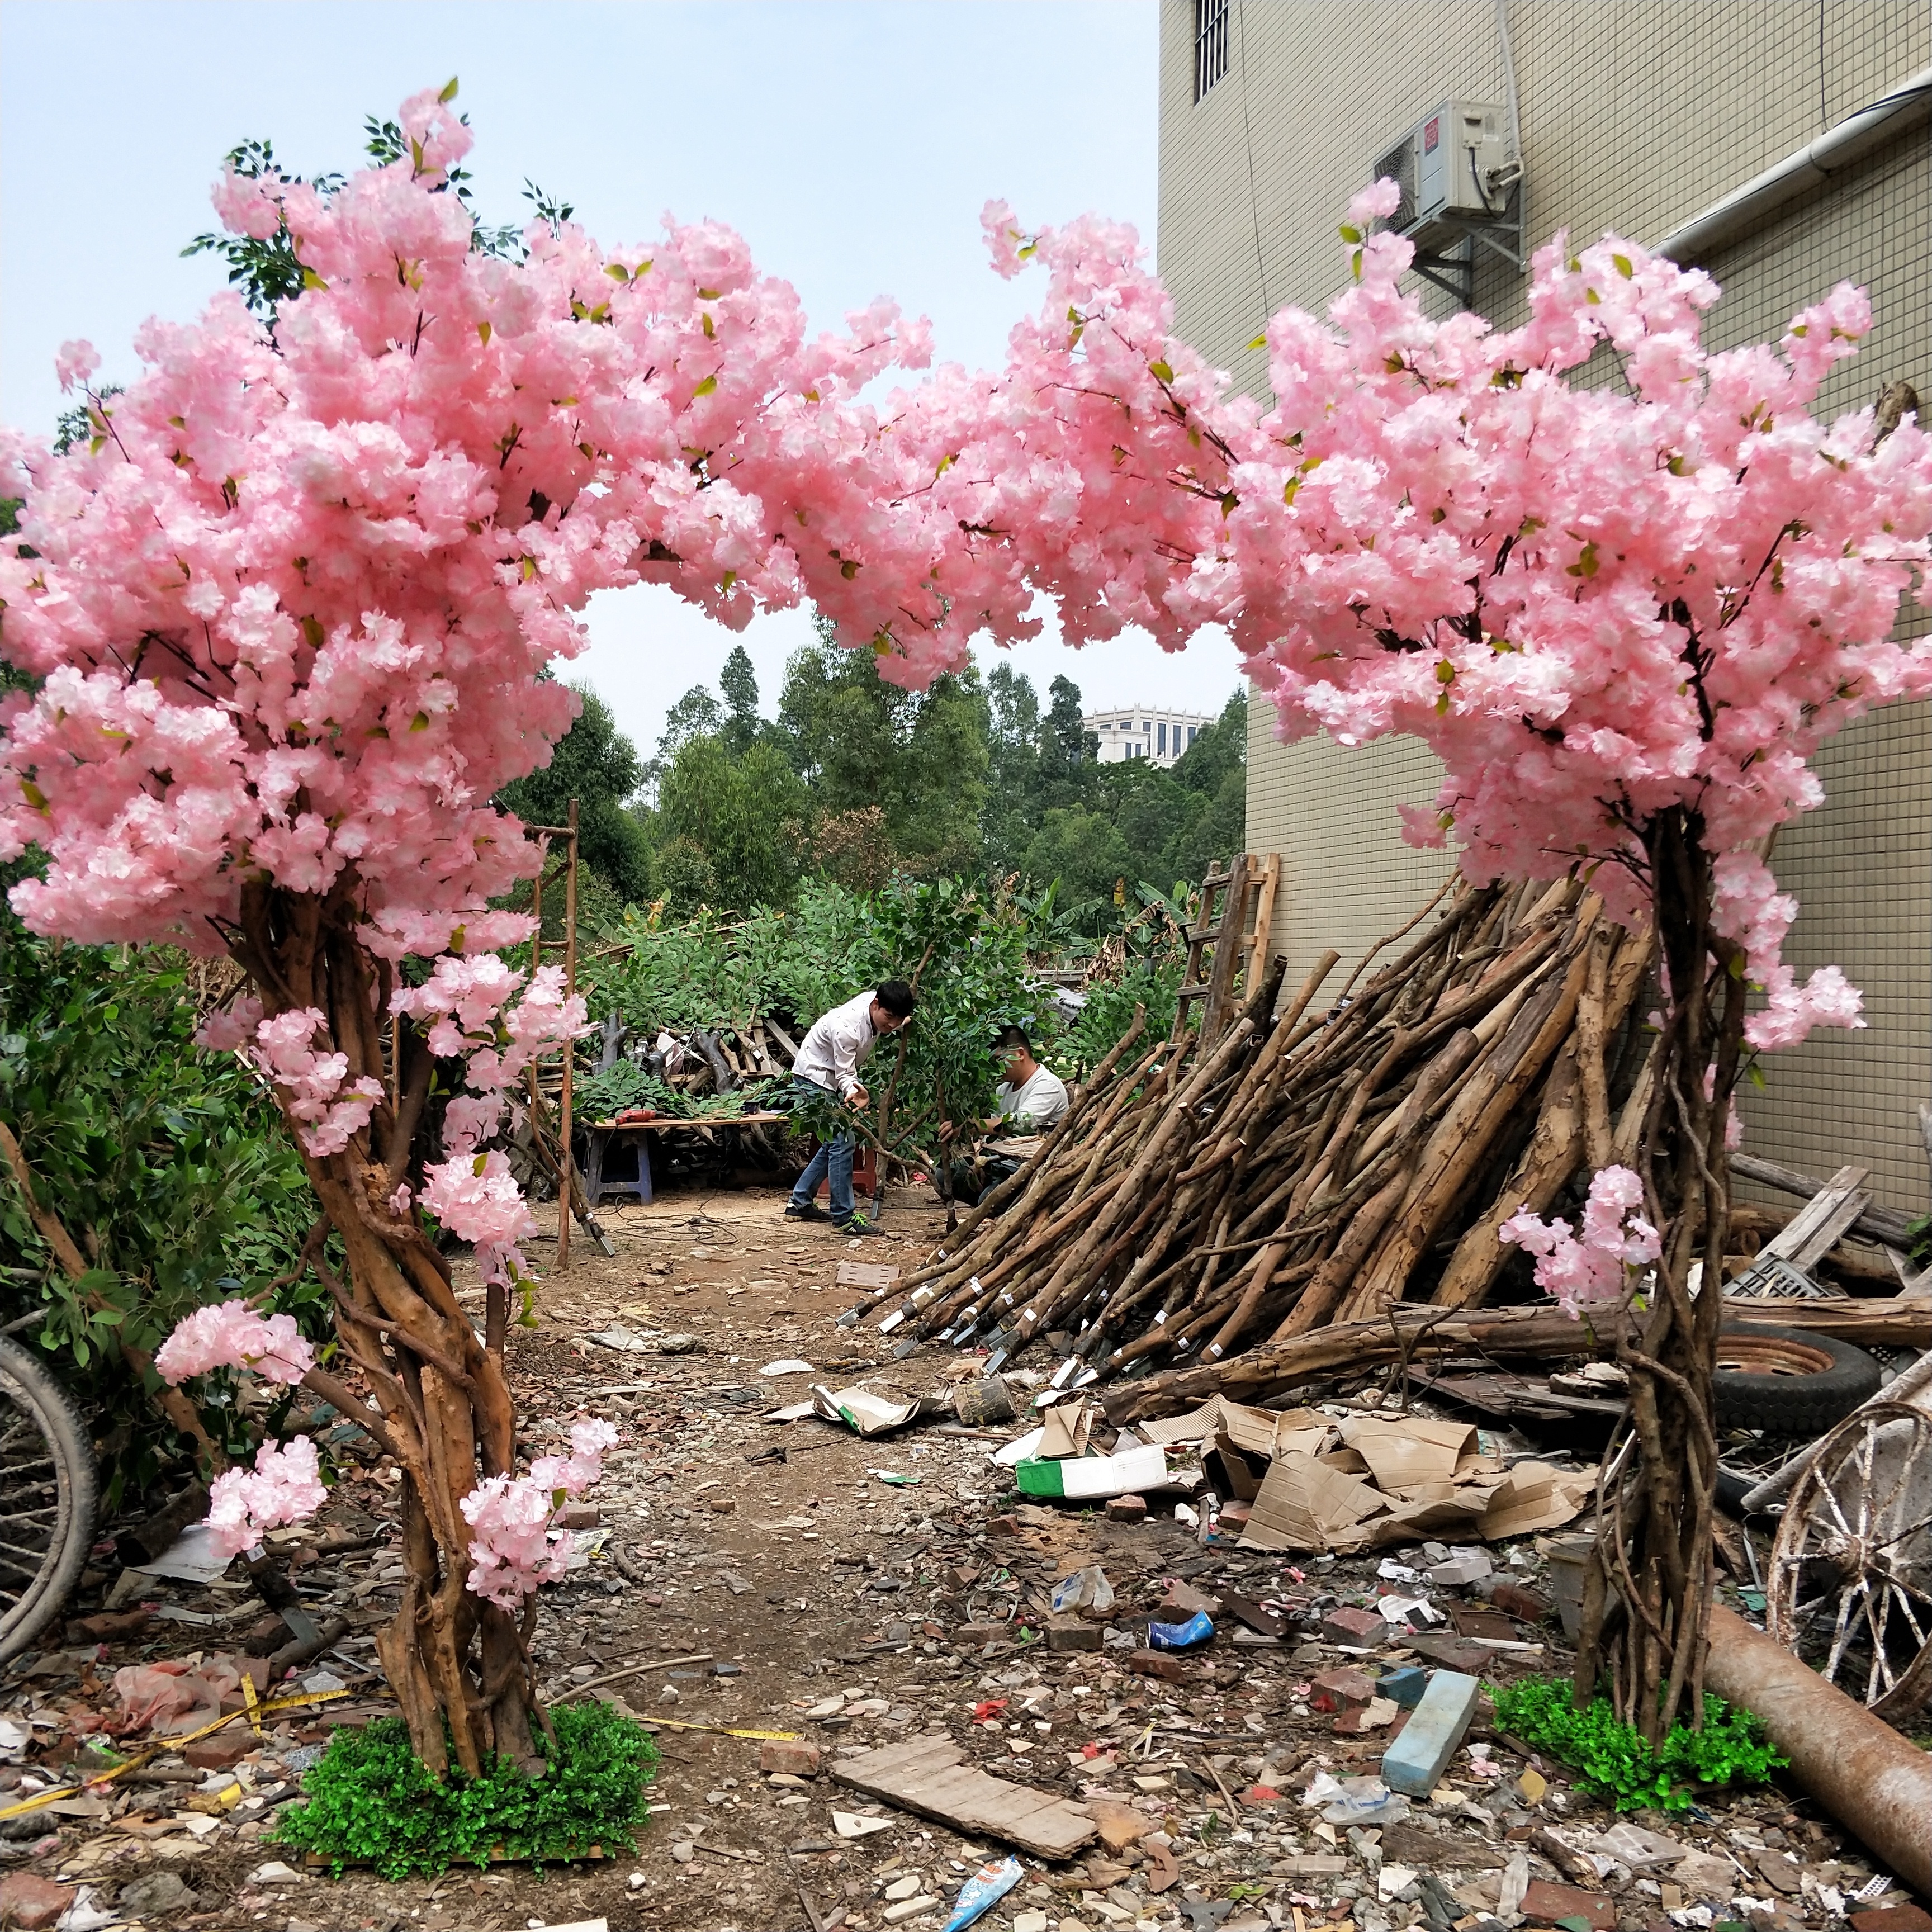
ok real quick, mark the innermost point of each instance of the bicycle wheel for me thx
(48, 1496)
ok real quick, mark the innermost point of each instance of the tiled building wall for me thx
(1636, 114)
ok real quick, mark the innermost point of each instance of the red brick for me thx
(220, 1753)
(31, 1904)
(1513, 1600)
(1127, 1509)
(1892, 1918)
(1544, 1904)
(1341, 1691)
(969, 1636)
(1364, 1629)
(1157, 1663)
(796, 1755)
(1003, 1525)
(1070, 1634)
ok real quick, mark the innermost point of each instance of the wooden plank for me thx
(1813, 1231)
(1877, 1224)
(926, 1775)
(664, 1125)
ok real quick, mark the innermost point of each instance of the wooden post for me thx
(565, 1192)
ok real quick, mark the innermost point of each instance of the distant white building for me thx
(1145, 731)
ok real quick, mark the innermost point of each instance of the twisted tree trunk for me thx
(1648, 1585)
(459, 1667)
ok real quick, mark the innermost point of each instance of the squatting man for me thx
(1030, 1100)
(827, 1067)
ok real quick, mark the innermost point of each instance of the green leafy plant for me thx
(1613, 1756)
(369, 1800)
(165, 1163)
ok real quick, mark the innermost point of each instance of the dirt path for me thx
(774, 1578)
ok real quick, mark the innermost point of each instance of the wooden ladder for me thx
(1230, 934)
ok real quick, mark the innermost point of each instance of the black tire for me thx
(1788, 1381)
(48, 1498)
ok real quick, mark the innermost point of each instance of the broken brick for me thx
(1345, 1689)
(218, 1754)
(1071, 1633)
(1127, 1509)
(1546, 1904)
(1160, 1663)
(1525, 1606)
(798, 1755)
(969, 1636)
(31, 1902)
(1003, 1525)
(1364, 1630)
(1892, 1918)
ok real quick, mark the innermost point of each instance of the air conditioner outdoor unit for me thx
(1455, 171)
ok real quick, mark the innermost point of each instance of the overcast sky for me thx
(853, 145)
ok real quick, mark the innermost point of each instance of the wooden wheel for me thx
(1851, 1569)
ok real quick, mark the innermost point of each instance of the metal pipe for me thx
(1751, 206)
(1878, 1785)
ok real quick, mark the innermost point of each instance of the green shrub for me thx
(370, 1801)
(1613, 1757)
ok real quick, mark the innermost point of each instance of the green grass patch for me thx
(369, 1799)
(1613, 1758)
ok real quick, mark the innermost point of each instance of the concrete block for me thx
(1405, 1687)
(1414, 1763)
(1460, 1571)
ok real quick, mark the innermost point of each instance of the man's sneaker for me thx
(809, 1211)
(857, 1224)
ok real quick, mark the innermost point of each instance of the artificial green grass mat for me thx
(369, 1799)
(1613, 1756)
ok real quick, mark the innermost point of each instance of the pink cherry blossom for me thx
(231, 1335)
(284, 1486)
(518, 1547)
(76, 363)
(1595, 1271)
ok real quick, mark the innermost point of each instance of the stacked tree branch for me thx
(1317, 1166)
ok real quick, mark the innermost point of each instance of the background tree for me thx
(596, 764)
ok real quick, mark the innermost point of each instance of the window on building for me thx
(1210, 43)
(1161, 739)
(1193, 732)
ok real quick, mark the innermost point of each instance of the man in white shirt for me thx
(1030, 1098)
(839, 1043)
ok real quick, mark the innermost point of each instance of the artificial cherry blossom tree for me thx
(287, 614)
(1624, 605)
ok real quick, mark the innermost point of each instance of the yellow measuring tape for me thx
(673, 1724)
(255, 1708)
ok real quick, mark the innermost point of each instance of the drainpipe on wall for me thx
(1748, 207)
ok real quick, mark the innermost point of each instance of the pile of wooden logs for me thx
(1320, 1165)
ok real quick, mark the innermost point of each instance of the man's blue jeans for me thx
(833, 1159)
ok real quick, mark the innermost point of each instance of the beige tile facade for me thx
(1636, 114)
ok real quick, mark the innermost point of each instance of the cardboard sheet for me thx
(1305, 1505)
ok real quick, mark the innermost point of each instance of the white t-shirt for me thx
(839, 1043)
(1043, 1100)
